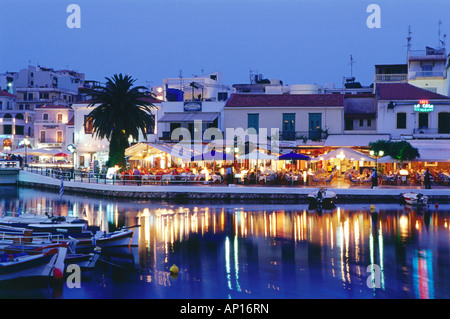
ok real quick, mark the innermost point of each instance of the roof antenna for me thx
(409, 38)
(351, 65)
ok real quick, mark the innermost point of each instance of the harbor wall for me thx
(257, 194)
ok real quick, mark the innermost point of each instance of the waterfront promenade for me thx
(225, 192)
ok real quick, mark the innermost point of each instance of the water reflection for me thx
(271, 251)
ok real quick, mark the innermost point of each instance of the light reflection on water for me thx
(259, 251)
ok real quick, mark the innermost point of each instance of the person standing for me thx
(374, 179)
(427, 179)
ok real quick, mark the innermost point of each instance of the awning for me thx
(432, 150)
(257, 156)
(344, 153)
(354, 140)
(147, 148)
(206, 117)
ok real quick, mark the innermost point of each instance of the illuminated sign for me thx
(193, 106)
(423, 106)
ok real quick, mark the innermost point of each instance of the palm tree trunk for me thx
(117, 147)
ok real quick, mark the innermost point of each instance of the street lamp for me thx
(26, 143)
(376, 154)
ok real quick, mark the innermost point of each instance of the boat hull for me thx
(415, 199)
(29, 266)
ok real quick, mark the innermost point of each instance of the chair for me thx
(353, 181)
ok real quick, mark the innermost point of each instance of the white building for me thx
(427, 69)
(191, 101)
(88, 147)
(406, 111)
(299, 118)
(51, 127)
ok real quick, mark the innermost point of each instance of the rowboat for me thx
(322, 198)
(126, 236)
(48, 262)
(415, 199)
(45, 223)
(84, 261)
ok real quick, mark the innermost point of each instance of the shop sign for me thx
(423, 106)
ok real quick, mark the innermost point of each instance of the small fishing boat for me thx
(45, 223)
(415, 198)
(322, 198)
(126, 236)
(86, 261)
(47, 262)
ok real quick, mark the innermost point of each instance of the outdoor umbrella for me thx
(213, 156)
(61, 154)
(294, 156)
(255, 155)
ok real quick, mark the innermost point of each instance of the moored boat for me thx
(415, 198)
(322, 198)
(48, 262)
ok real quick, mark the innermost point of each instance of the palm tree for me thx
(120, 112)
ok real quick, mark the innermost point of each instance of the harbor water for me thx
(250, 251)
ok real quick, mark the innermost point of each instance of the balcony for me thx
(430, 54)
(303, 135)
(48, 122)
(391, 78)
(432, 131)
(427, 74)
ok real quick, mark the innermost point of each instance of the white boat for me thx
(322, 198)
(49, 262)
(415, 198)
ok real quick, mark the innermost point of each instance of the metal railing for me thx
(380, 78)
(121, 179)
(302, 135)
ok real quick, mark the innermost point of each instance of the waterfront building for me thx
(300, 119)
(51, 126)
(192, 104)
(89, 149)
(408, 112)
(427, 69)
(15, 124)
(41, 88)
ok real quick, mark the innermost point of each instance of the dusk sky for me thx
(296, 41)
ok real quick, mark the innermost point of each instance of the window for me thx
(42, 137)
(43, 95)
(8, 106)
(7, 129)
(45, 117)
(1, 105)
(401, 120)
(253, 122)
(361, 122)
(427, 67)
(59, 136)
(59, 118)
(423, 120)
(348, 124)
(222, 96)
(369, 122)
(88, 125)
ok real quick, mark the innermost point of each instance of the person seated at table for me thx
(174, 172)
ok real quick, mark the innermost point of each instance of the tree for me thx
(400, 151)
(121, 111)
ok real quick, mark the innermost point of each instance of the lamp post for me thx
(376, 154)
(26, 142)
